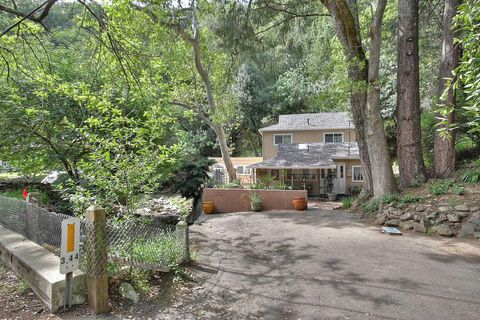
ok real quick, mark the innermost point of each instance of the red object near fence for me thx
(25, 193)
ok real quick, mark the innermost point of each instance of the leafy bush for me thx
(459, 189)
(371, 206)
(355, 191)
(471, 177)
(441, 187)
(235, 184)
(347, 202)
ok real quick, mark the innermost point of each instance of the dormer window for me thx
(284, 138)
(333, 137)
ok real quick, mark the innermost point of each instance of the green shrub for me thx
(371, 206)
(355, 191)
(471, 177)
(440, 187)
(459, 189)
(347, 203)
(235, 184)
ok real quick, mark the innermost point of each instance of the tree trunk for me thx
(444, 149)
(383, 179)
(378, 173)
(409, 142)
(222, 141)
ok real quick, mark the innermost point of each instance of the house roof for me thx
(312, 121)
(309, 156)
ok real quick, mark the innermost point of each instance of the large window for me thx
(333, 137)
(357, 174)
(302, 174)
(242, 170)
(282, 138)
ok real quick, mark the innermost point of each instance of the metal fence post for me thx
(183, 240)
(96, 255)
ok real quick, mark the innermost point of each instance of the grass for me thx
(347, 203)
(23, 286)
(17, 194)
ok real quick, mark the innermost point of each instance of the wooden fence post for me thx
(183, 240)
(97, 257)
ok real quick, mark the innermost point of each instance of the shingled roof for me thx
(312, 121)
(309, 155)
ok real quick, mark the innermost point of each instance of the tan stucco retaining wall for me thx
(236, 200)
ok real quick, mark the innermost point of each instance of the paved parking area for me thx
(328, 265)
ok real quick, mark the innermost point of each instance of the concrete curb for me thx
(40, 268)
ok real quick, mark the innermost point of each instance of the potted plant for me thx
(328, 185)
(255, 201)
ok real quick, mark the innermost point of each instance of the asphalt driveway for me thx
(328, 265)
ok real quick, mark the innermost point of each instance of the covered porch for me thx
(302, 175)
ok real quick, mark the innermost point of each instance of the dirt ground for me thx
(17, 301)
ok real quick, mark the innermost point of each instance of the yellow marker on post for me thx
(71, 237)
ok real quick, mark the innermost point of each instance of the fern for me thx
(471, 177)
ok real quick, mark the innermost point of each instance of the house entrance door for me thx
(339, 186)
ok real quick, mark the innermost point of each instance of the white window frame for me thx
(244, 167)
(334, 133)
(353, 174)
(282, 134)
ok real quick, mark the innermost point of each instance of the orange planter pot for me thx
(208, 207)
(299, 203)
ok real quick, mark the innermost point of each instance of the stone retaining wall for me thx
(444, 220)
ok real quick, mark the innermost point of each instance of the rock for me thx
(477, 235)
(476, 214)
(432, 215)
(461, 214)
(452, 217)
(473, 209)
(462, 207)
(420, 208)
(444, 230)
(406, 225)
(441, 218)
(406, 216)
(419, 227)
(418, 217)
(397, 213)
(391, 209)
(468, 229)
(444, 209)
(381, 219)
(392, 222)
(474, 221)
(128, 292)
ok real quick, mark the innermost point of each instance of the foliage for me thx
(396, 200)
(440, 187)
(23, 286)
(371, 206)
(255, 197)
(347, 202)
(467, 23)
(327, 182)
(192, 177)
(235, 184)
(459, 189)
(471, 177)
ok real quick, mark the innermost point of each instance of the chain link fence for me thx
(129, 243)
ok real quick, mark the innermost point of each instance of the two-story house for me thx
(301, 149)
